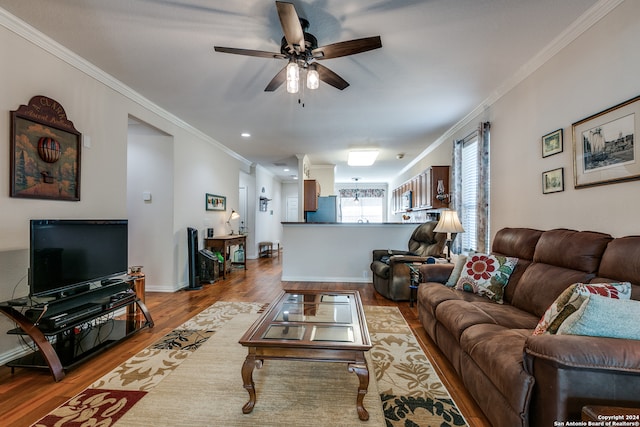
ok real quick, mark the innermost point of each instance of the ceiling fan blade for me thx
(249, 52)
(329, 77)
(350, 47)
(277, 81)
(291, 27)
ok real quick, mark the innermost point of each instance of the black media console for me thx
(68, 330)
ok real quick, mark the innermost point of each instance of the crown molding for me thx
(571, 33)
(33, 35)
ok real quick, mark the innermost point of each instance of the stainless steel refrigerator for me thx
(327, 210)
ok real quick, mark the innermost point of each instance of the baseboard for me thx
(13, 354)
(165, 288)
(355, 279)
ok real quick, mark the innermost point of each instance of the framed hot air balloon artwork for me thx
(45, 152)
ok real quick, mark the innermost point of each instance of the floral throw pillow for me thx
(486, 275)
(572, 298)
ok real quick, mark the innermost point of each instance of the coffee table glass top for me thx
(318, 317)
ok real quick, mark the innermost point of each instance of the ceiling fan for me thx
(301, 49)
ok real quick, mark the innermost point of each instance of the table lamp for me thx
(449, 223)
(234, 215)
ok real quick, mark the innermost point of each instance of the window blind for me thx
(469, 174)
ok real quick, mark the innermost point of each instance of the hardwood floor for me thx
(29, 394)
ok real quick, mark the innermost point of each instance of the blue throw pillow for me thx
(604, 317)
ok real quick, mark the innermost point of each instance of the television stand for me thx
(68, 338)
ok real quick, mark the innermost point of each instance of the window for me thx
(469, 196)
(368, 207)
(471, 189)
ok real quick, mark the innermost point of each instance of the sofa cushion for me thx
(519, 243)
(516, 242)
(622, 252)
(457, 270)
(600, 316)
(541, 284)
(575, 250)
(570, 301)
(458, 315)
(508, 316)
(498, 352)
(486, 275)
(432, 294)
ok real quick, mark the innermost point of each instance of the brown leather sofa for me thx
(391, 275)
(519, 379)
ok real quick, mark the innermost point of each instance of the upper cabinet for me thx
(428, 190)
(311, 194)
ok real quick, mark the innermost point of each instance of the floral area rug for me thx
(410, 392)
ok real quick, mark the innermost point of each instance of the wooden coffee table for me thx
(311, 325)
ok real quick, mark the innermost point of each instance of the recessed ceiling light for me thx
(362, 157)
(245, 134)
(286, 169)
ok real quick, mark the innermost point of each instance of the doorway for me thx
(150, 203)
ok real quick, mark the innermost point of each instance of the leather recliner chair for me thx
(391, 274)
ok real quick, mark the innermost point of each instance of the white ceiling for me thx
(440, 60)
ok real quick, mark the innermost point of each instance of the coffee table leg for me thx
(362, 372)
(247, 379)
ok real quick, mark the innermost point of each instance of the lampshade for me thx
(449, 222)
(234, 215)
(313, 78)
(293, 77)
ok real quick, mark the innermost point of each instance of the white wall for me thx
(597, 70)
(100, 108)
(337, 252)
(325, 175)
(267, 224)
(150, 169)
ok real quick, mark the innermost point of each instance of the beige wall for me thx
(100, 108)
(597, 70)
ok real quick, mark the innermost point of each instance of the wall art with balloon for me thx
(45, 152)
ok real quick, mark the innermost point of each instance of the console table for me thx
(223, 245)
(85, 326)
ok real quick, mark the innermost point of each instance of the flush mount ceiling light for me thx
(362, 157)
(245, 134)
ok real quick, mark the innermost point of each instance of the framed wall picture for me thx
(604, 146)
(215, 203)
(552, 143)
(553, 181)
(45, 152)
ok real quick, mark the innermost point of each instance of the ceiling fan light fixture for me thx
(362, 157)
(313, 78)
(293, 77)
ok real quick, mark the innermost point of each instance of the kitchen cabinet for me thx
(311, 194)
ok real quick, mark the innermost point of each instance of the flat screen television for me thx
(66, 256)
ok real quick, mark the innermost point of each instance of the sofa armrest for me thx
(577, 351)
(436, 272)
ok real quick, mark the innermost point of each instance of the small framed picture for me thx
(215, 203)
(553, 181)
(552, 143)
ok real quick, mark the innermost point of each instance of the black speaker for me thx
(192, 250)
(209, 233)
